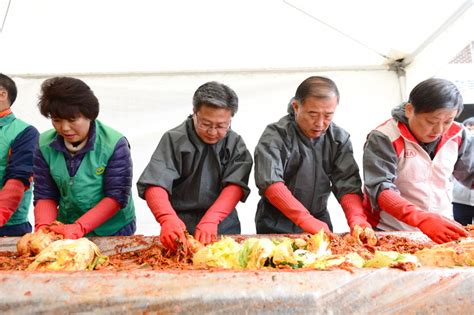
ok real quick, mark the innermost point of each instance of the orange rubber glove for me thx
(172, 228)
(46, 212)
(361, 229)
(89, 221)
(206, 230)
(10, 198)
(282, 198)
(435, 226)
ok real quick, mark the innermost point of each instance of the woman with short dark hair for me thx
(83, 168)
(409, 159)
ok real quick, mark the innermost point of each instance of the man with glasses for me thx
(18, 141)
(199, 171)
(300, 159)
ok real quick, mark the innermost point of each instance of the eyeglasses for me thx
(208, 126)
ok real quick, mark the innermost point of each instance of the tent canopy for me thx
(144, 60)
(110, 36)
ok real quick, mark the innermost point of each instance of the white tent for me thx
(144, 59)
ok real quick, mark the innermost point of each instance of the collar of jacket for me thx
(7, 118)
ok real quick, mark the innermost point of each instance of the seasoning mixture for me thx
(141, 252)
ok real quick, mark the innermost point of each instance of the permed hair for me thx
(66, 97)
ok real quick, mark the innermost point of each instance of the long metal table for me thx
(381, 291)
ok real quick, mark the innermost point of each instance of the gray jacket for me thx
(310, 170)
(194, 173)
(381, 160)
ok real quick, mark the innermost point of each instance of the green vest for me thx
(83, 191)
(10, 128)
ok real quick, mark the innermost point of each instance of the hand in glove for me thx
(70, 231)
(90, 220)
(206, 230)
(435, 226)
(441, 229)
(282, 198)
(172, 228)
(364, 235)
(172, 232)
(361, 230)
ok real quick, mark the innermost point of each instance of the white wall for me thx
(144, 107)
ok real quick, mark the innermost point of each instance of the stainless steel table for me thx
(379, 291)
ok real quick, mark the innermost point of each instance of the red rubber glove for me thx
(89, 221)
(435, 226)
(10, 198)
(172, 228)
(71, 231)
(206, 230)
(279, 196)
(46, 212)
(361, 229)
(352, 206)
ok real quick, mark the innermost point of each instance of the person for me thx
(408, 161)
(463, 197)
(199, 172)
(300, 159)
(17, 144)
(82, 167)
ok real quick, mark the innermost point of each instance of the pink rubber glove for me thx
(361, 230)
(71, 231)
(172, 228)
(90, 220)
(279, 196)
(206, 230)
(10, 198)
(46, 212)
(435, 226)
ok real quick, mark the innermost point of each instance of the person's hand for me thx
(313, 226)
(441, 229)
(206, 232)
(364, 235)
(435, 226)
(172, 233)
(70, 231)
(361, 230)
(172, 228)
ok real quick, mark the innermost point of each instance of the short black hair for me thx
(215, 94)
(66, 97)
(9, 85)
(433, 94)
(318, 87)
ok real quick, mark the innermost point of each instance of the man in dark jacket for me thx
(300, 159)
(199, 171)
(18, 141)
